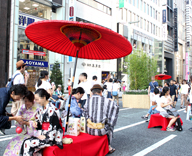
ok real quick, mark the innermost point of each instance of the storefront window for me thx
(35, 9)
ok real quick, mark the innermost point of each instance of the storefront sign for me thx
(91, 65)
(32, 52)
(25, 19)
(36, 63)
(164, 14)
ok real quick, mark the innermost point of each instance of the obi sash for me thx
(45, 125)
(95, 125)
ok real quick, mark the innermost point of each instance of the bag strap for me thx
(152, 84)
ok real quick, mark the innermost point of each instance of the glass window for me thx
(144, 24)
(144, 6)
(156, 14)
(35, 9)
(133, 2)
(148, 26)
(154, 29)
(130, 1)
(147, 9)
(137, 4)
(156, 33)
(151, 25)
(141, 22)
(121, 10)
(137, 20)
(125, 14)
(151, 11)
(130, 16)
(141, 5)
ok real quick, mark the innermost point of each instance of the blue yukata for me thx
(75, 110)
(4, 100)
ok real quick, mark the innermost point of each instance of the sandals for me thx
(111, 151)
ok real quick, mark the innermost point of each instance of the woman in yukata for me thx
(27, 111)
(75, 109)
(47, 122)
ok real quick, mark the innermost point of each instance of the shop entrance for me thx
(34, 73)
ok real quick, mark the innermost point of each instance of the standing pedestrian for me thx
(83, 84)
(152, 85)
(115, 91)
(124, 86)
(19, 79)
(173, 91)
(15, 93)
(94, 81)
(176, 97)
(184, 93)
(69, 86)
(109, 88)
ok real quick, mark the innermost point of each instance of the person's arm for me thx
(176, 91)
(149, 90)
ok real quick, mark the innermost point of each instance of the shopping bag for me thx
(73, 126)
(83, 125)
(189, 115)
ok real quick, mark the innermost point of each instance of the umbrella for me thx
(80, 40)
(162, 77)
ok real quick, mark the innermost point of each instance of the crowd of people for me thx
(38, 114)
(163, 99)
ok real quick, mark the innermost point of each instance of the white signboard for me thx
(164, 32)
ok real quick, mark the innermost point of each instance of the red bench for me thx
(158, 120)
(83, 145)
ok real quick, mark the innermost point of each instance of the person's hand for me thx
(41, 137)
(19, 119)
(53, 87)
(148, 94)
(153, 108)
(79, 105)
(34, 124)
(176, 96)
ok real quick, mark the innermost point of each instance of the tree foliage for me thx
(56, 75)
(140, 68)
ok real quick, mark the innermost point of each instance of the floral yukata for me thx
(14, 146)
(48, 124)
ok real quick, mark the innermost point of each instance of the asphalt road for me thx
(132, 137)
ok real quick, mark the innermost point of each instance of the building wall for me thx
(5, 7)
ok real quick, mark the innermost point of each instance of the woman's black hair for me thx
(156, 91)
(78, 90)
(30, 96)
(19, 89)
(43, 93)
(42, 75)
(115, 80)
(165, 90)
(110, 80)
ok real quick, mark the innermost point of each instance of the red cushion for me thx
(158, 120)
(83, 145)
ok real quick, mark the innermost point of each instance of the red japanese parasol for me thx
(162, 77)
(80, 40)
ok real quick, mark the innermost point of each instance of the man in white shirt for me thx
(19, 79)
(94, 81)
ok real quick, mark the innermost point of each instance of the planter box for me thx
(136, 101)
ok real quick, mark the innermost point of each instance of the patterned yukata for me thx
(14, 146)
(54, 133)
(101, 110)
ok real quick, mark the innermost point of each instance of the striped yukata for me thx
(101, 110)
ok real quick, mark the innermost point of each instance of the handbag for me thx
(114, 93)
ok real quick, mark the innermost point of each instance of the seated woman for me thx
(47, 122)
(27, 110)
(165, 108)
(75, 108)
(152, 109)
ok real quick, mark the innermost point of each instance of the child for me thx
(152, 109)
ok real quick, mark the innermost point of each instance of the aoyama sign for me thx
(36, 63)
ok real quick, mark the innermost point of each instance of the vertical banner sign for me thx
(164, 14)
(175, 31)
(164, 32)
(71, 10)
(121, 3)
(186, 67)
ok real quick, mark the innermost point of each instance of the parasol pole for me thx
(73, 79)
